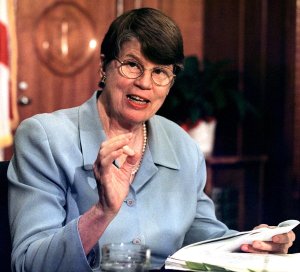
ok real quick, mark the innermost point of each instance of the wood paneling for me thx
(188, 14)
(221, 30)
(262, 40)
(297, 96)
(296, 112)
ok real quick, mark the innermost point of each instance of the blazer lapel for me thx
(91, 132)
(159, 152)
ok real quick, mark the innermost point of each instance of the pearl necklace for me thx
(143, 150)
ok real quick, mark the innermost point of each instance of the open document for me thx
(219, 254)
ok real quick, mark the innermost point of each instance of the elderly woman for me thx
(111, 170)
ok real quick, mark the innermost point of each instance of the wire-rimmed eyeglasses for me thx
(161, 76)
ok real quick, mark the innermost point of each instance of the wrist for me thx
(101, 214)
(91, 225)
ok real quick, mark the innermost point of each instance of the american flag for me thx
(8, 69)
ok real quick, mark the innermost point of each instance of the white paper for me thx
(220, 252)
(241, 262)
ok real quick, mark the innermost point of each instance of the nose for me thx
(145, 80)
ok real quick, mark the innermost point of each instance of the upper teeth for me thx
(136, 98)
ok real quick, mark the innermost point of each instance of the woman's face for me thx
(132, 101)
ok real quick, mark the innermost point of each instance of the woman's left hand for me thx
(280, 243)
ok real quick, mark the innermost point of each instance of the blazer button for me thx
(137, 241)
(130, 202)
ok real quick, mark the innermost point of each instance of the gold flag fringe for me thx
(13, 64)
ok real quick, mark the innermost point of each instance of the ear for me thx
(101, 65)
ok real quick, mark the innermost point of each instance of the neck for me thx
(114, 126)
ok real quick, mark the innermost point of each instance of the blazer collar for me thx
(92, 134)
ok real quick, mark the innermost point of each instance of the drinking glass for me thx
(125, 257)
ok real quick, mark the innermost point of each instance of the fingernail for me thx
(128, 150)
(244, 248)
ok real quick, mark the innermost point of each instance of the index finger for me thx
(117, 140)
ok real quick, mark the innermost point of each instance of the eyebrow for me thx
(156, 66)
(132, 56)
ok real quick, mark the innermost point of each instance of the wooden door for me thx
(58, 58)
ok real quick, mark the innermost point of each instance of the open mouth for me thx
(137, 99)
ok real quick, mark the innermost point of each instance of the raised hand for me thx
(113, 182)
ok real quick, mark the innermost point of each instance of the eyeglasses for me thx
(161, 76)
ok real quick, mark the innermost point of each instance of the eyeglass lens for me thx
(160, 75)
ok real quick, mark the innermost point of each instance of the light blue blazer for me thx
(52, 184)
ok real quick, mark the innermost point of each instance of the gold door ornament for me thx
(65, 38)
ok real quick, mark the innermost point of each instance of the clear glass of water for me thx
(125, 257)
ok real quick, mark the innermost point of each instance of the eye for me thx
(132, 65)
(161, 72)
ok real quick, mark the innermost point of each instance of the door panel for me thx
(52, 31)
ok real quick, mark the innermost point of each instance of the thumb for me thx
(131, 162)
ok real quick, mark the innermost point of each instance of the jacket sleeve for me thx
(43, 240)
(205, 225)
